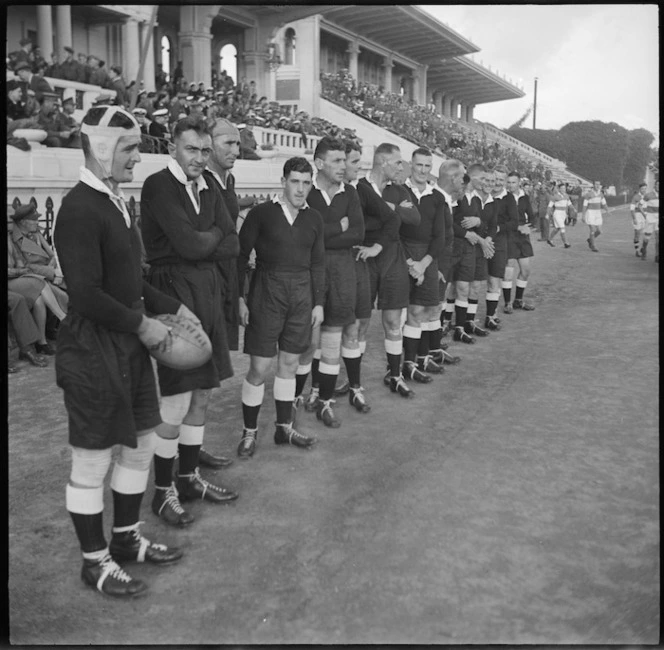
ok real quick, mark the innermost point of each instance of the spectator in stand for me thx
(17, 109)
(160, 78)
(39, 61)
(248, 144)
(51, 120)
(53, 69)
(24, 54)
(196, 108)
(68, 119)
(178, 75)
(70, 69)
(38, 292)
(178, 105)
(84, 71)
(97, 76)
(25, 330)
(143, 123)
(118, 84)
(143, 101)
(159, 127)
(32, 81)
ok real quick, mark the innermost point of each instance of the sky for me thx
(593, 62)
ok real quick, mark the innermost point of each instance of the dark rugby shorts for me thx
(388, 275)
(519, 246)
(363, 293)
(498, 262)
(463, 261)
(426, 294)
(340, 288)
(481, 266)
(445, 267)
(90, 412)
(280, 304)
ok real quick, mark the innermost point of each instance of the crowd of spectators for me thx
(421, 125)
(237, 102)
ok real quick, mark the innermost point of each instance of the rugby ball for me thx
(191, 346)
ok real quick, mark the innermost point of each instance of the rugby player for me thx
(186, 231)
(102, 362)
(652, 221)
(386, 205)
(559, 209)
(339, 205)
(594, 205)
(423, 244)
(285, 300)
(637, 210)
(519, 247)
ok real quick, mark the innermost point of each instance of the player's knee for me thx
(89, 467)
(330, 344)
(139, 459)
(174, 407)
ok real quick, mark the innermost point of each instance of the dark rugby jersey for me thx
(345, 203)
(282, 246)
(431, 229)
(381, 223)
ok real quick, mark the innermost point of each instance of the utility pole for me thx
(535, 106)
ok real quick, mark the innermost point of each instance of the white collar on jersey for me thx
(419, 195)
(118, 199)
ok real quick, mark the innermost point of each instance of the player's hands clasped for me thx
(365, 252)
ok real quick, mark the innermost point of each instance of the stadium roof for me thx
(470, 82)
(402, 28)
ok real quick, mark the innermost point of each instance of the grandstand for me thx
(404, 67)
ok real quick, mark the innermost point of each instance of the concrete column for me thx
(388, 64)
(149, 68)
(471, 110)
(353, 52)
(462, 112)
(196, 56)
(62, 28)
(415, 86)
(45, 30)
(131, 52)
(447, 106)
(454, 106)
(308, 38)
(438, 102)
(422, 98)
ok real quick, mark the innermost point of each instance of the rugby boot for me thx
(550, 243)
(427, 364)
(311, 403)
(410, 371)
(522, 304)
(166, 505)
(194, 486)
(45, 349)
(450, 359)
(445, 328)
(284, 434)
(247, 446)
(34, 358)
(398, 385)
(131, 546)
(357, 400)
(568, 245)
(110, 579)
(508, 309)
(342, 389)
(471, 327)
(206, 459)
(644, 248)
(326, 415)
(491, 323)
(461, 336)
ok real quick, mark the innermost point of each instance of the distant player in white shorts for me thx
(652, 221)
(594, 205)
(637, 208)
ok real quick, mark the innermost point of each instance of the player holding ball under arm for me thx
(102, 363)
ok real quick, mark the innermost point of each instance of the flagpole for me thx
(535, 106)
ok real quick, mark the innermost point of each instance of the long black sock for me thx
(284, 411)
(126, 508)
(519, 292)
(90, 531)
(326, 385)
(353, 371)
(188, 458)
(300, 381)
(410, 342)
(163, 471)
(425, 342)
(460, 314)
(315, 375)
(435, 337)
(394, 363)
(250, 416)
